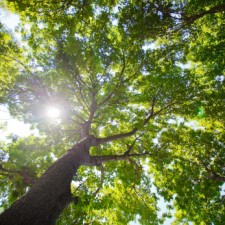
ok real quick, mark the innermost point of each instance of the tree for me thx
(117, 72)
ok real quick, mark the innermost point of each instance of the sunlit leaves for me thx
(8, 60)
(192, 180)
(90, 59)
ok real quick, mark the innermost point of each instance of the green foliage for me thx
(108, 66)
(9, 67)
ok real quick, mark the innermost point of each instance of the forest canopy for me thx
(136, 95)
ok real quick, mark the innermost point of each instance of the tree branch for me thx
(132, 145)
(102, 179)
(216, 9)
(97, 160)
(26, 178)
(97, 141)
(214, 176)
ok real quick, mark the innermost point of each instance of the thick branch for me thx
(93, 108)
(98, 160)
(214, 175)
(213, 10)
(99, 141)
(26, 178)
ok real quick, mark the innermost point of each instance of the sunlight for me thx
(53, 112)
(9, 19)
(9, 126)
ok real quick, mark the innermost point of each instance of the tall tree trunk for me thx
(44, 202)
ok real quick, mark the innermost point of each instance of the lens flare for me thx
(53, 112)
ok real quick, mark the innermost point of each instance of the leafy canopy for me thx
(112, 67)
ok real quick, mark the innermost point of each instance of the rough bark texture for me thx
(45, 201)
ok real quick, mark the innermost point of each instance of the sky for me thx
(13, 126)
(9, 19)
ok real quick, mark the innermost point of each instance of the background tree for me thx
(124, 74)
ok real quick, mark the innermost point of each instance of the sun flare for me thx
(53, 112)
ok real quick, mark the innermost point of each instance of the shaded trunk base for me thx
(44, 202)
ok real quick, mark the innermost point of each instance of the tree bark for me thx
(44, 202)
